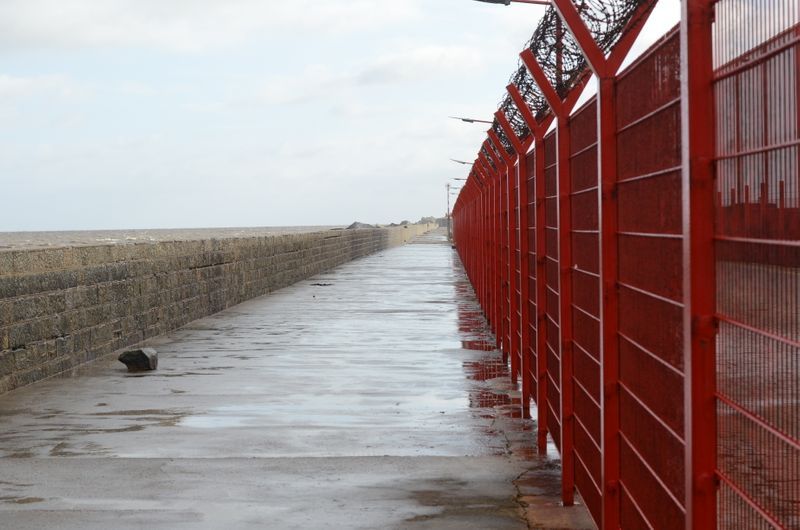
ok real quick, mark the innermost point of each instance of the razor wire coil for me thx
(561, 59)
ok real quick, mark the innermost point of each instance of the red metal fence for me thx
(639, 261)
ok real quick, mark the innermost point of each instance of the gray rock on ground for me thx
(141, 360)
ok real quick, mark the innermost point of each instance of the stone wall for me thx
(62, 307)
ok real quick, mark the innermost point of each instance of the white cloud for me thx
(182, 25)
(313, 82)
(12, 87)
(136, 88)
(423, 63)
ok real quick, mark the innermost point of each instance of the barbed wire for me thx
(560, 57)
(488, 158)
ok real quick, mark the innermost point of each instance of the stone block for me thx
(7, 364)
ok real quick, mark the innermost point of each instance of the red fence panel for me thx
(529, 228)
(650, 290)
(586, 306)
(551, 324)
(514, 333)
(506, 220)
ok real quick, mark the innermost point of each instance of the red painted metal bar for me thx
(699, 265)
(591, 51)
(609, 297)
(550, 94)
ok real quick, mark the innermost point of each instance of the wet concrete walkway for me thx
(368, 397)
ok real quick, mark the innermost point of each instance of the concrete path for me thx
(368, 397)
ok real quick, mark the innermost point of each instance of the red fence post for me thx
(506, 220)
(609, 302)
(565, 309)
(699, 266)
(541, 293)
(498, 261)
(487, 263)
(513, 279)
(490, 248)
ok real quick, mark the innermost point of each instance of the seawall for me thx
(62, 307)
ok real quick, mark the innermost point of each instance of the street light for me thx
(508, 2)
(470, 120)
(461, 162)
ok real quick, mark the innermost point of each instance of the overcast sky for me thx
(198, 113)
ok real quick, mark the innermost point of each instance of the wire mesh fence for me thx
(643, 381)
